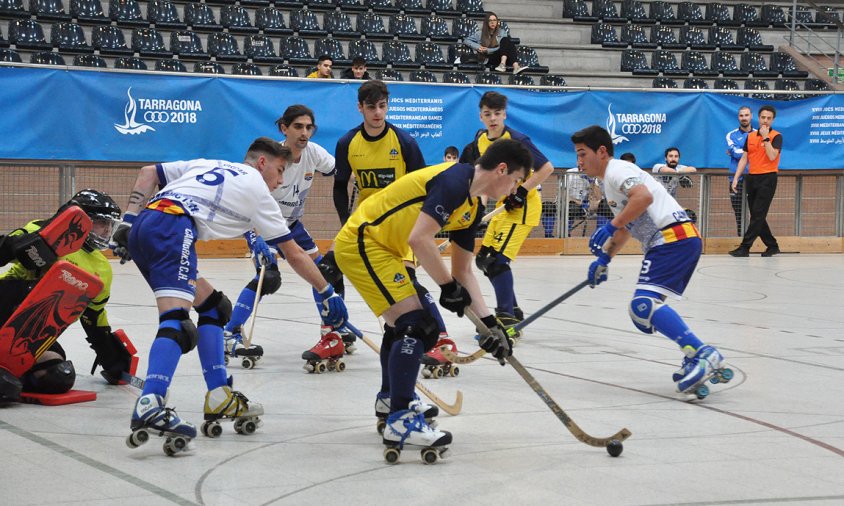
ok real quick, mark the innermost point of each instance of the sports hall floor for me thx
(775, 434)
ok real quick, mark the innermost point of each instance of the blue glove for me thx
(601, 236)
(334, 309)
(598, 270)
(262, 253)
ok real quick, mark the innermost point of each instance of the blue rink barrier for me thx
(62, 114)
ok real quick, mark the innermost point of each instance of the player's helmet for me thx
(103, 211)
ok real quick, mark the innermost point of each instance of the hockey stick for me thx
(487, 217)
(451, 409)
(450, 355)
(132, 380)
(575, 430)
(248, 341)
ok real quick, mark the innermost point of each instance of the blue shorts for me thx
(303, 238)
(667, 268)
(163, 247)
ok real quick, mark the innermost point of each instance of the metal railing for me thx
(814, 43)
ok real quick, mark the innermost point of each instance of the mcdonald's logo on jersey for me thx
(375, 178)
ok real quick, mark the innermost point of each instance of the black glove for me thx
(497, 342)
(111, 355)
(454, 297)
(516, 200)
(120, 238)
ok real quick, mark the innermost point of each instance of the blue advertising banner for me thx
(59, 114)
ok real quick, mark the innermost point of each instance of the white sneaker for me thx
(518, 68)
(409, 427)
(501, 68)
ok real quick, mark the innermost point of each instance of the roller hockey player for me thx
(643, 209)
(201, 200)
(412, 211)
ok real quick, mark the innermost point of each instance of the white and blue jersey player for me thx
(202, 200)
(297, 124)
(643, 209)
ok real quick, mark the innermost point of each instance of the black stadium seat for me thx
(664, 13)
(27, 34)
(334, 49)
(443, 7)
(719, 14)
(726, 84)
(752, 40)
(463, 27)
(723, 38)
(634, 11)
(127, 13)
(664, 82)
(436, 28)
(755, 64)
(87, 12)
(260, 49)
(552, 80)
(306, 23)
(488, 78)
(664, 37)
(366, 50)
(89, 60)
(208, 67)
(759, 84)
(48, 10)
(271, 21)
(339, 25)
(130, 63)
(605, 34)
(246, 69)
(296, 51)
(816, 85)
(784, 64)
(666, 63)
(284, 71)
(69, 38)
(430, 55)
(787, 85)
(726, 65)
(411, 6)
(635, 37)
(148, 42)
(605, 11)
(371, 26)
(10, 55)
(521, 80)
(224, 47)
(47, 58)
(527, 57)
(695, 83)
(693, 37)
(170, 66)
(773, 15)
(635, 61)
(322, 5)
(456, 77)
(389, 75)
(747, 15)
(422, 76)
(381, 6)
(163, 14)
(109, 40)
(397, 54)
(201, 17)
(13, 9)
(578, 11)
(187, 45)
(404, 27)
(695, 62)
(690, 13)
(472, 8)
(351, 5)
(236, 19)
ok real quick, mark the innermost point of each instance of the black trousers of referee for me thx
(760, 193)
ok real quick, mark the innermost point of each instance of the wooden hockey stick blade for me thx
(461, 359)
(488, 216)
(575, 430)
(248, 341)
(451, 409)
(132, 380)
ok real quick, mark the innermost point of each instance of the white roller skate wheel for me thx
(391, 455)
(212, 429)
(438, 373)
(455, 371)
(430, 456)
(320, 368)
(173, 445)
(137, 438)
(426, 372)
(249, 427)
(340, 366)
(309, 367)
(248, 363)
(702, 391)
(380, 425)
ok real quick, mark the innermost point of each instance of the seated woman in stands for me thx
(494, 46)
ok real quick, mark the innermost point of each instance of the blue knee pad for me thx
(642, 308)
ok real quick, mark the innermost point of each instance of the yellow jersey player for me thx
(507, 231)
(370, 249)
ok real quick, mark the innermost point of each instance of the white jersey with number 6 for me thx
(619, 178)
(224, 199)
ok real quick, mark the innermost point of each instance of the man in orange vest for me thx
(762, 151)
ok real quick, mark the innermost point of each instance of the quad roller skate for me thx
(235, 349)
(408, 427)
(509, 321)
(326, 355)
(705, 365)
(435, 365)
(225, 403)
(346, 335)
(152, 417)
(382, 410)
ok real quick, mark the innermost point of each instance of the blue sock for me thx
(503, 285)
(666, 321)
(242, 309)
(405, 357)
(164, 357)
(211, 350)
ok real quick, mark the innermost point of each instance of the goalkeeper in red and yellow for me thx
(52, 373)
(370, 248)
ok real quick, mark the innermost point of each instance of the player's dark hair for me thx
(324, 57)
(372, 92)
(268, 147)
(452, 150)
(358, 61)
(672, 148)
(493, 100)
(628, 157)
(509, 151)
(593, 137)
(769, 108)
(293, 112)
(745, 107)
